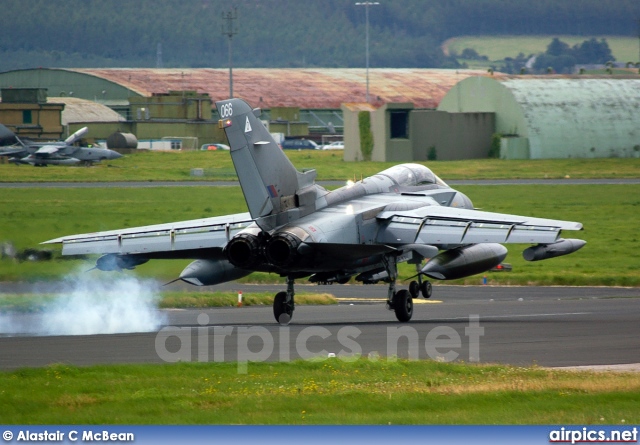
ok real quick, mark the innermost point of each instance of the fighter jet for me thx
(298, 229)
(52, 153)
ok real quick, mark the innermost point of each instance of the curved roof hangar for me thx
(560, 116)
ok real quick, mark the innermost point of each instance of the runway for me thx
(546, 326)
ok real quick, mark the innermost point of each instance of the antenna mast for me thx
(229, 31)
(159, 55)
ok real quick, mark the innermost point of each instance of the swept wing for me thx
(173, 239)
(437, 225)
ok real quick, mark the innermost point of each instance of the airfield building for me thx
(542, 117)
(414, 114)
(313, 97)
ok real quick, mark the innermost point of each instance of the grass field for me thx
(153, 166)
(624, 49)
(329, 391)
(609, 214)
(174, 299)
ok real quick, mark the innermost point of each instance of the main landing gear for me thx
(401, 301)
(283, 304)
(420, 287)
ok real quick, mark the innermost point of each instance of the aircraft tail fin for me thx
(7, 137)
(274, 190)
(76, 136)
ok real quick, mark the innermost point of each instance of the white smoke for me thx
(92, 304)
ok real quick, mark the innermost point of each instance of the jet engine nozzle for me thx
(244, 250)
(559, 248)
(282, 249)
(464, 261)
(112, 261)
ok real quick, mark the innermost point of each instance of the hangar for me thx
(415, 114)
(513, 117)
(314, 95)
(542, 117)
(313, 89)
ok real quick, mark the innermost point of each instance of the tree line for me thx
(281, 33)
(561, 58)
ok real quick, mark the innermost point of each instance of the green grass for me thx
(608, 212)
(184, 299)
(173, 299)
(154, 166)
(317, 392)
(624, 49)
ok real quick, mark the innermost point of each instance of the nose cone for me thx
(114, 154)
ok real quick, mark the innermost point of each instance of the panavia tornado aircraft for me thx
(298, 229)
(41, 154)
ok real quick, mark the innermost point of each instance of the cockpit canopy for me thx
(412, 175)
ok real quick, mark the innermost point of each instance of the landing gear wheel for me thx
(282, 311)
(403, 305)
(414, 289)
(426, 289)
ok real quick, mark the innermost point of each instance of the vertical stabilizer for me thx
(6, 136)
(271, 184)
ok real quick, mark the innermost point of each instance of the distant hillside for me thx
(282, 33)
(497, 48)
(483, 52)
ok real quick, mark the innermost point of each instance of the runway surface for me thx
(547, 326)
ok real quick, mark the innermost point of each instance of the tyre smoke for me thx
(90, 304)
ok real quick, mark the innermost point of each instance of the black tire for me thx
(414, 289)
(280, 306)
(403, 305)
(426, 289)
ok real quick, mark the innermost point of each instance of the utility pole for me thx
(159, 55)
(366, 13)
(230, 31)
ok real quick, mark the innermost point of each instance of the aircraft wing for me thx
(436, 225)
(11, 151)
(190, 235)
(47, 150)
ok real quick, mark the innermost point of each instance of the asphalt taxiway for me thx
(546, 326)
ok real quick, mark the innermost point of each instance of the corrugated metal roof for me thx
(81, 110)
(304, 88)
(561, 116)
(358, 106)
(599, 117)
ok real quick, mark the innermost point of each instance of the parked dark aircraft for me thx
(52, 153)
(298, 229)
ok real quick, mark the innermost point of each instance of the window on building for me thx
(26, 117)
(399, 124)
